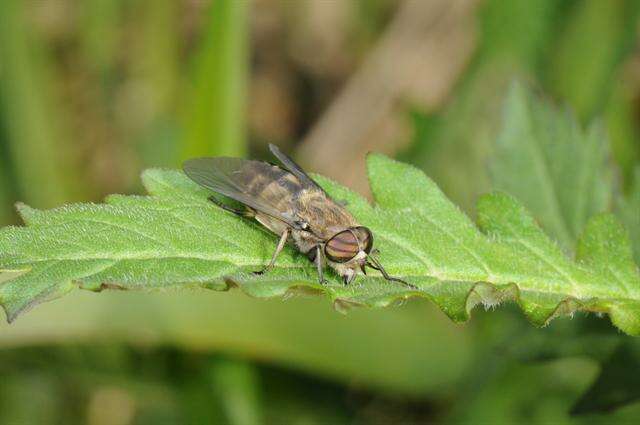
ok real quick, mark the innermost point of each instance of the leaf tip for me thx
(343, 305)
(12, 311)
(7, 315)
(627, 319)
(376, 158)
(26, 212)
(148, 176)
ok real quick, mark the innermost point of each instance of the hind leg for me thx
(279, 247)
(247, 212)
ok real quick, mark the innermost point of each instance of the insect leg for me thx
(375, 264)
(242, 213)
(320, 265)
(281, 242)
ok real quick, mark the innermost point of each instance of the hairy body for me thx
(290, 204)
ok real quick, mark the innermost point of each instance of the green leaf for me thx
(175, 237)
(236, 386)
(554, 168)
(274, 331)
(615, 386)
(585, 58)
(535, 393)
(36, 152)
(628, 210)
(514, 38)
(214, 109)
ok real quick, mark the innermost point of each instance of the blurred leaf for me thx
(596, 38)
(587, 70)
(387, 349)
(308, 401)
(154, 242)
(19, 395)
(100, 34)
(625, 415)
(236, 386)
(214, 114)
(156, 64)
(584, 336)
(615, 386)
(39, 151)
(516, 32)
(558, 171)
(87, 384)
(532, 394)
(513, 39)
(629, 212)
(6, 195)
(543, 146)
(158, 56)
(624, 127)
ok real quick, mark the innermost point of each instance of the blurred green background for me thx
(94, 91)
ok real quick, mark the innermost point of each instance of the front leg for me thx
(279, 247)
(320, 265)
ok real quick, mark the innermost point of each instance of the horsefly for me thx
(292, 205)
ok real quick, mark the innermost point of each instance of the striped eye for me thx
(342, 247)
(365, 237)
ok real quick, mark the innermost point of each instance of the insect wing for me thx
(232, 177)
(294, 168)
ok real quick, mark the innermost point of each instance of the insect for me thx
(292, 205)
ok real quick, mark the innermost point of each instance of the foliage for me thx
(175, 237)
(214, 112)
(32, 154)
(615, 386)
(628, 212)
(562, 174)
(102, 89)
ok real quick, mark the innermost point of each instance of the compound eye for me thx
(342, 247)
(365, 237)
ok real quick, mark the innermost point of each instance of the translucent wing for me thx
(244, 181)
(294, 168)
